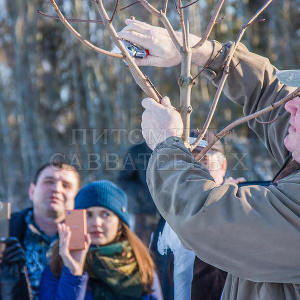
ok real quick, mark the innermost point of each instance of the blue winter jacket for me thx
(71, 287)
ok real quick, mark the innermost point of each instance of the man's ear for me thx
(31, 191)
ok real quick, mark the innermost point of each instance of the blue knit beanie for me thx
(103, 193)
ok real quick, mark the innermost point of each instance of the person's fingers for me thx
(147, 61)
(150, 60)
(10, 240)
(17, 259)
(60, 231)
(67, 237)
(63, 233)
(137, 24)
(88, 240)
(241, 179)
(151, 104)
(165, 101)
(16, 255)
(12, 247)
(137, 38)
(134, 27)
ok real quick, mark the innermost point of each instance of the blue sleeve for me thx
(67, 287)
(156, 290)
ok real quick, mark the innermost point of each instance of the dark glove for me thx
(14, 283)
(13, 253)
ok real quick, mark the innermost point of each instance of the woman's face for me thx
(102, 225)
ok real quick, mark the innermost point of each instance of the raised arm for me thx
(252, 80)
(250, 232)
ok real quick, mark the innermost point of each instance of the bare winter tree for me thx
(185, 80)
(58, 98)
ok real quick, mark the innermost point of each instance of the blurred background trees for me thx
(58, 99)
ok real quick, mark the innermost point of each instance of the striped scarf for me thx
(113, 272)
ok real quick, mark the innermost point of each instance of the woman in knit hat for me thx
(117, 266)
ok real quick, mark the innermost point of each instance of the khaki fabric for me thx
(252, 232)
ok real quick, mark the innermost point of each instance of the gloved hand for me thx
(162, 51)
(14, 283)
(160, 121)
(13, 253)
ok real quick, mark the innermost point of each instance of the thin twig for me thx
(245, 119)
(166, 6)
(114, 11)
(208, 63)
(210, 26)
(155, 89)
(190, 4)
(225, 75)
(163, 18)
(183, 28)
(150, 8)
(171, 31)
(129, 5)
(176, 7)
(79, 36)
(235, 66)
(69, 19)
(268, 122)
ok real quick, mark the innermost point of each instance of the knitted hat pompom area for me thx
(106, 194)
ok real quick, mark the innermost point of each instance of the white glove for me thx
(162, 51)
(234, 180)
(160, 121)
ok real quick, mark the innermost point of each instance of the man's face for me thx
(292, 140)
(54, 192)
(215, 165)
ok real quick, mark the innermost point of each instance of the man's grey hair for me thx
(216, 157)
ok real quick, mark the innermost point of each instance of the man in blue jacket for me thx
(52, 192)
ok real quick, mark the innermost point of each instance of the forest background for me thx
(59, 99)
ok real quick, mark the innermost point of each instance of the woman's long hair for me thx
(143, 258)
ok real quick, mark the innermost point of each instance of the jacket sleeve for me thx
(252, 83)
(14, 282)
(156, 289)
(67, 287)
(252, 232)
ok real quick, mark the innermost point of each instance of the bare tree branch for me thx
(183, 28)
(137, 74)
(171, 31)
(163, 18)
(166, 6)
(245, 119)
(79, 36)
(127, 6)
(190, 4)
(175, 4)
(69, 19)
(268, 122)
(210, 26)
(150, 8)
(225, 75)
(186, 84)
(114, 11)
(207, 64)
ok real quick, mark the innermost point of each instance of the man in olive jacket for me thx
(251, 232)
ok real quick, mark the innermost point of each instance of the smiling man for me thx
(251, 232)
(52, 191)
